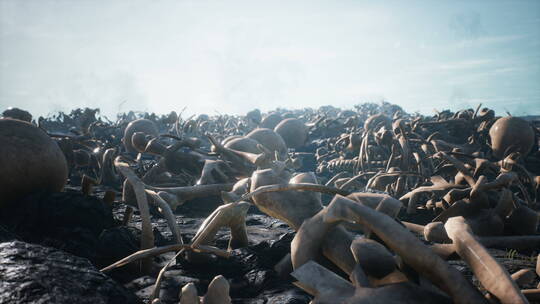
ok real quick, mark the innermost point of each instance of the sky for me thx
(232, 56)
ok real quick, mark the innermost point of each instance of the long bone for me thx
(176, 196)
(460, 166)
(328, 288)
(168, 214)
(177, 161)
(232, 215)
(148, 253)
(322, 283)
(248, 161)
(215, 172)
(376, 262)
(488, 271)
(307, 242)
(412, 251)
(295, 207)
(440, 186)
(147, 235)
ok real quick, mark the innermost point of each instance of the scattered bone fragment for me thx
(188, 294)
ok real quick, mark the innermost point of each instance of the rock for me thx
(119, 242)
(6, 235)
(35, 274)
(69, 221)
(293, 296)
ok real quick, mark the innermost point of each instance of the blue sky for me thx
(232, 56)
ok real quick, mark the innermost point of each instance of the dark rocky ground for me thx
(87, 231)
(78, 239)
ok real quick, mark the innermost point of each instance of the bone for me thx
(532, 294)
(435, 232)
(232, 215)
(148, 253)
(329, 288)
(179, 195)
(188, 294)
(523, 276)
(488, 271)
(322, 283)
(147, 236)
(168, 214)
(294, 207)
(413, 252)
(375, 260)
(218, 292)
(307, 242)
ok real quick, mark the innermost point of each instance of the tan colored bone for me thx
(188, 294)
(374, 258)
(179, 195)
(307, 242)
(523, 276)
(148, 253)
(232, 215)
(412, 251)
(322, 283)
(294, 207)
(435, 232)
(147, 235)
(168, 214)
(218, 292)
(488, 271)
(328, 288)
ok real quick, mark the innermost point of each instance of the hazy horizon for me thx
(234, 56)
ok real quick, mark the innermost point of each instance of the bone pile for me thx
(386, 206)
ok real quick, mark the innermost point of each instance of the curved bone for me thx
(232, 215)
(168, 214)
(243, 161)
(306, 244)
(460, 166)
(440, 186)
(328, 288)
(374, 258)
(214, 172)
(306, 177)
(524, 276)
(435, 232)
(294, 207)
(240, 188)
(322, 283)
(380, 202)
(488, 271)
(108, 176)
(147, 235)
(183, 194)
(148, 253)
(401, 241)
(505, 205)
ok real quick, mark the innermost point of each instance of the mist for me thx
(233, 56)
